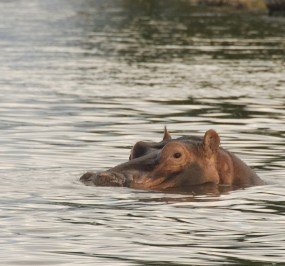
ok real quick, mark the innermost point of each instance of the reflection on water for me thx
(82, 81)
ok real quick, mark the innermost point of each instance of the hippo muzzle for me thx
(105, 179)
(135, 171)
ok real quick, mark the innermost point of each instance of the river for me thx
(82, 81)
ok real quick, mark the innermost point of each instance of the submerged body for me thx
(178, 164)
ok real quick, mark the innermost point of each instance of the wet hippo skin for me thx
(178, 164)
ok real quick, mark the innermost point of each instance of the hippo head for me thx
(171, 163)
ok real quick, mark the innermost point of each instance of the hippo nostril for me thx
(104, 174)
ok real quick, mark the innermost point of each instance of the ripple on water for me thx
(82, 81)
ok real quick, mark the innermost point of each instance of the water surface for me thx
(82, 81)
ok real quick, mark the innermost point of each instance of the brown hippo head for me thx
(177, 163)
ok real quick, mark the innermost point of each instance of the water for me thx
(82, 81)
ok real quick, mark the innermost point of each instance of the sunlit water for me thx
(82, 81)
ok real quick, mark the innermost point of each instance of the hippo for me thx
(179, 164)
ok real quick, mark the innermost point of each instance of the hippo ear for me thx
(211, 142)
(166, 135)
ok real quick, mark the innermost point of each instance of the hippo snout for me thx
(104, 179)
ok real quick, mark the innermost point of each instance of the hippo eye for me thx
(177, 155)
